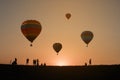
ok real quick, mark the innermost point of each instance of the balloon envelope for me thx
(68, 15)
(31, 29)
(87, 36)
(57, 47)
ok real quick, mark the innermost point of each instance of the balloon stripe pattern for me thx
(31, 29)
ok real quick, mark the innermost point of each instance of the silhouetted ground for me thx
(24, 72)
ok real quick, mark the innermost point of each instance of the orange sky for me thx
(99, 16)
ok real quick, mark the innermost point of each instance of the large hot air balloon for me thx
(57, 47)
(87, 36)
(68, 15)
(31, 29)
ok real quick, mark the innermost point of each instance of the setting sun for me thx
(61, 63)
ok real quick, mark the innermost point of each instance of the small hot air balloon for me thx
(57, 47)
(68, 15)
(87, 36)
(31, 29)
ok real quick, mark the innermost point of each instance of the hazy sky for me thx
(102, 17)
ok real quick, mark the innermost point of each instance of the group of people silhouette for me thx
(90, 62)
(35, 62)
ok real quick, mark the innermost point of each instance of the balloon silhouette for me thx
(87, 36)
(68, 15)
(57, 47)
(31, 29)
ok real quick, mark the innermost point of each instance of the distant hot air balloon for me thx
(68, 15)
(57, 47)
(31, 29)
(87, 36)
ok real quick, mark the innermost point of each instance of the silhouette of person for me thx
(14, 62)
(90, 61)
(44, 64)
(37, 62)
(41, 64)
(34, 62)
(85, 64)
(27, 61)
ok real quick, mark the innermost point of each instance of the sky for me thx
(102, 17)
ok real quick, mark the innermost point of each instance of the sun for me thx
(61, 63)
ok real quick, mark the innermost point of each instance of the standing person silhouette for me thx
(34, 62)
(27, 60)
(37, 62)
(90, 61)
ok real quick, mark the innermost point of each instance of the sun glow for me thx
(61, 63)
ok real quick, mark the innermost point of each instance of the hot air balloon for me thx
(57, 47)
(31, 29)
(87, 36)
(68, 15)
